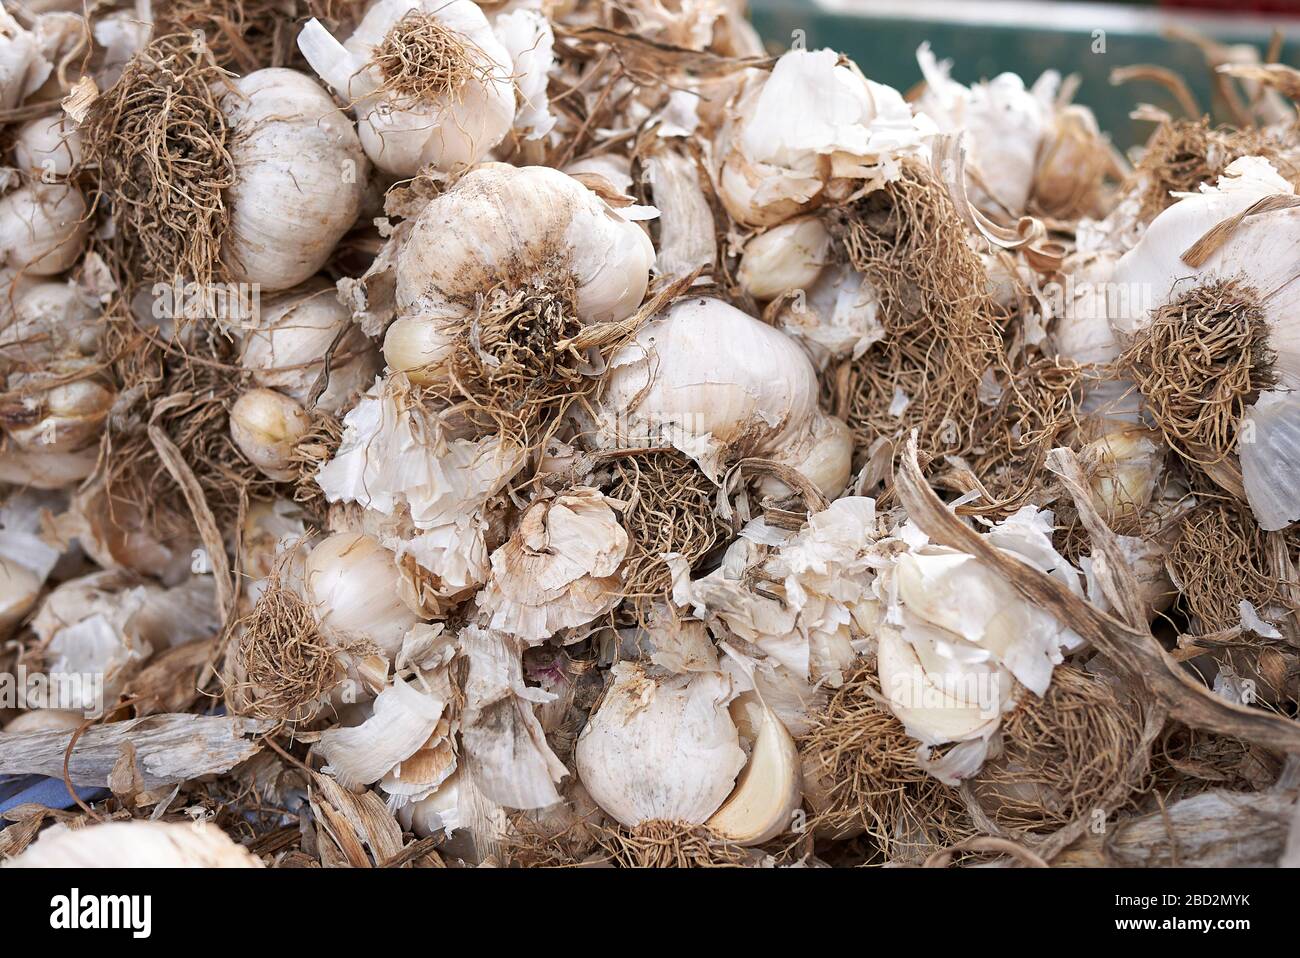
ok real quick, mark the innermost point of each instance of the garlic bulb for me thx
(135, 844)
(785, 258)
(50, 319)
(45, 468)
(532, 228)
(285, 352)
(810, 121)
(428, 81)
(353, 583)
(301, 178)
(61, 419)
(719, 385)
(42, 227)
(660, 747)
(1235, 277)
(266, 425)
(559, 569)
(22, 66)
(769, 791)
(47, 148)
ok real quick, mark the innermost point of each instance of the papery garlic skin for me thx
(660, 748)
(286, 350)
(450, 133)
(718, 384)
(785, 258)
(301, 178)
(42, 228)
(353, 583)
(22, 66)
(135, 844)
(838, 316)
(526, 227)
(266, 425)
(529, 39)
(559, 569)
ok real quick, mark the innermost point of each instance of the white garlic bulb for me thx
(660, 747)
(266, 425)
(530, 227)
(810, 121)
(47, 148)
(785, 258)
(49, 319)
(450, 124)
(135, 844)
(353, 583)
(63, 418)
(301, 178)
(559, 569)
(718, 385)
(23, 68)
(42, 227)
(286, 350)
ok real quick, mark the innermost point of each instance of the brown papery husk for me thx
(1062, 755)
(942, 336)
(658, 843)
(1182, 154)
(867, 762)
(1198, 364)
(671, 508)
(421, 60)
(156, 146)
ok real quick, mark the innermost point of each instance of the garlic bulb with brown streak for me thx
(42, 227)
(530, 228)
(354, 585)
(660, 748)
(300, 178)
(719, 385)
(295, 329)
(407, 120)
(63, 418)
(266, 425)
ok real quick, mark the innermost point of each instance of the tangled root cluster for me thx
(421, 59)
(243, 35)
(1220, 556)
(157, 143)
(1202, 360)
(1062, 754)
(863, 764)
(665, 844)
(670, 509)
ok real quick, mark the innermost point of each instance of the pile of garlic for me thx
(528, 507)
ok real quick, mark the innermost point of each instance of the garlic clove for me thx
(266, 425)
(785, 258)
(20, 587)
(64, 419)
(769, 790)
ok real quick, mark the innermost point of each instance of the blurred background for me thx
(987, 37)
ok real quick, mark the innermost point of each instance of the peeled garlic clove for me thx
(768, 791)
(404, 129)
(353, 583)
(47, 148)
(286, 350)
(42, 227)
(660, 748)
(301, 178)
(266, 425)
(135, 844)
(785, 258)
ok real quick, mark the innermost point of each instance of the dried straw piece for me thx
(1062, 754)
(664, 844)
(867, 762)
(158, 143)
(1199, 363)
(670, 509)
(422, 60)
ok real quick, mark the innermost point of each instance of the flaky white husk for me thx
(1004, 125)
(397, 461)
(450, 133)
(819, 612)
(23, 68)
(135, 844)
(559, 569)
(718, 385)
(809, 122)
(957, 640)
(836, 318)
(286, 350)
(1270, 428)
(687, 239)
(660, 747)
(527, 36)
(504, 744)
(42, 227)
(524, 227)
(301, 178)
